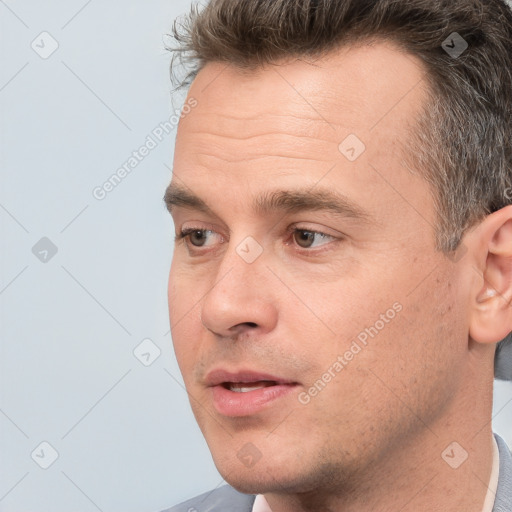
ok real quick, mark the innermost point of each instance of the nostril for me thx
(241, 330)
(246, 324)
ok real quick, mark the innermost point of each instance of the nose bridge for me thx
(242, 269)
(240, 293)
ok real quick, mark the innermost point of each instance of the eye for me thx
(305, 238)
(196, 236)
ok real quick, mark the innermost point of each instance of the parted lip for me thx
(219, 376)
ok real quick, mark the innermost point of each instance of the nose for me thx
(240, 301)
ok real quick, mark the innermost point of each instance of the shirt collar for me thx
(260, 504)
(490, 497)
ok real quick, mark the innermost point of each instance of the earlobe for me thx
(491, 311)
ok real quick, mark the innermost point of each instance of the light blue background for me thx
(125, 435)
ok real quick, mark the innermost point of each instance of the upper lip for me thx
(220, 376)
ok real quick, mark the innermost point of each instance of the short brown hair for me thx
(462, 140)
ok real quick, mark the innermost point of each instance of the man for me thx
(342, 270)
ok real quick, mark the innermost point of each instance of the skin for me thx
(372, 439)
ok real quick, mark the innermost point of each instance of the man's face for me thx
(312, 342)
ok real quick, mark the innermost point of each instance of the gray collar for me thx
(503, 501)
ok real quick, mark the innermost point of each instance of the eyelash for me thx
(185, 233)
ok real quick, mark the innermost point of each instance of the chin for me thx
(287, 470)
(270, 476)
(249, 485)
(260, 482)
(258, 476)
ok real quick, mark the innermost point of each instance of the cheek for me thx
(342, 308)
(390, 332)
(184, 316)
(173, 296)
(184, 292)
(418, 355)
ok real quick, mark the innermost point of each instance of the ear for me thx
(490, 304)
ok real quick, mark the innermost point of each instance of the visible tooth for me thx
(241, 389)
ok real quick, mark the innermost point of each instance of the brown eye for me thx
(310, 239)
(197, 237)
(304, 238)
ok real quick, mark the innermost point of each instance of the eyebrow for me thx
(284, 201)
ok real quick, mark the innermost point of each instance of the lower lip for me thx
(230, 403)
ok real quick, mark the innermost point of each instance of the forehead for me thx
(289, 123)
(351, 86)
(304, 109)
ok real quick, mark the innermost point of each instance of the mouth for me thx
(246, 393)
